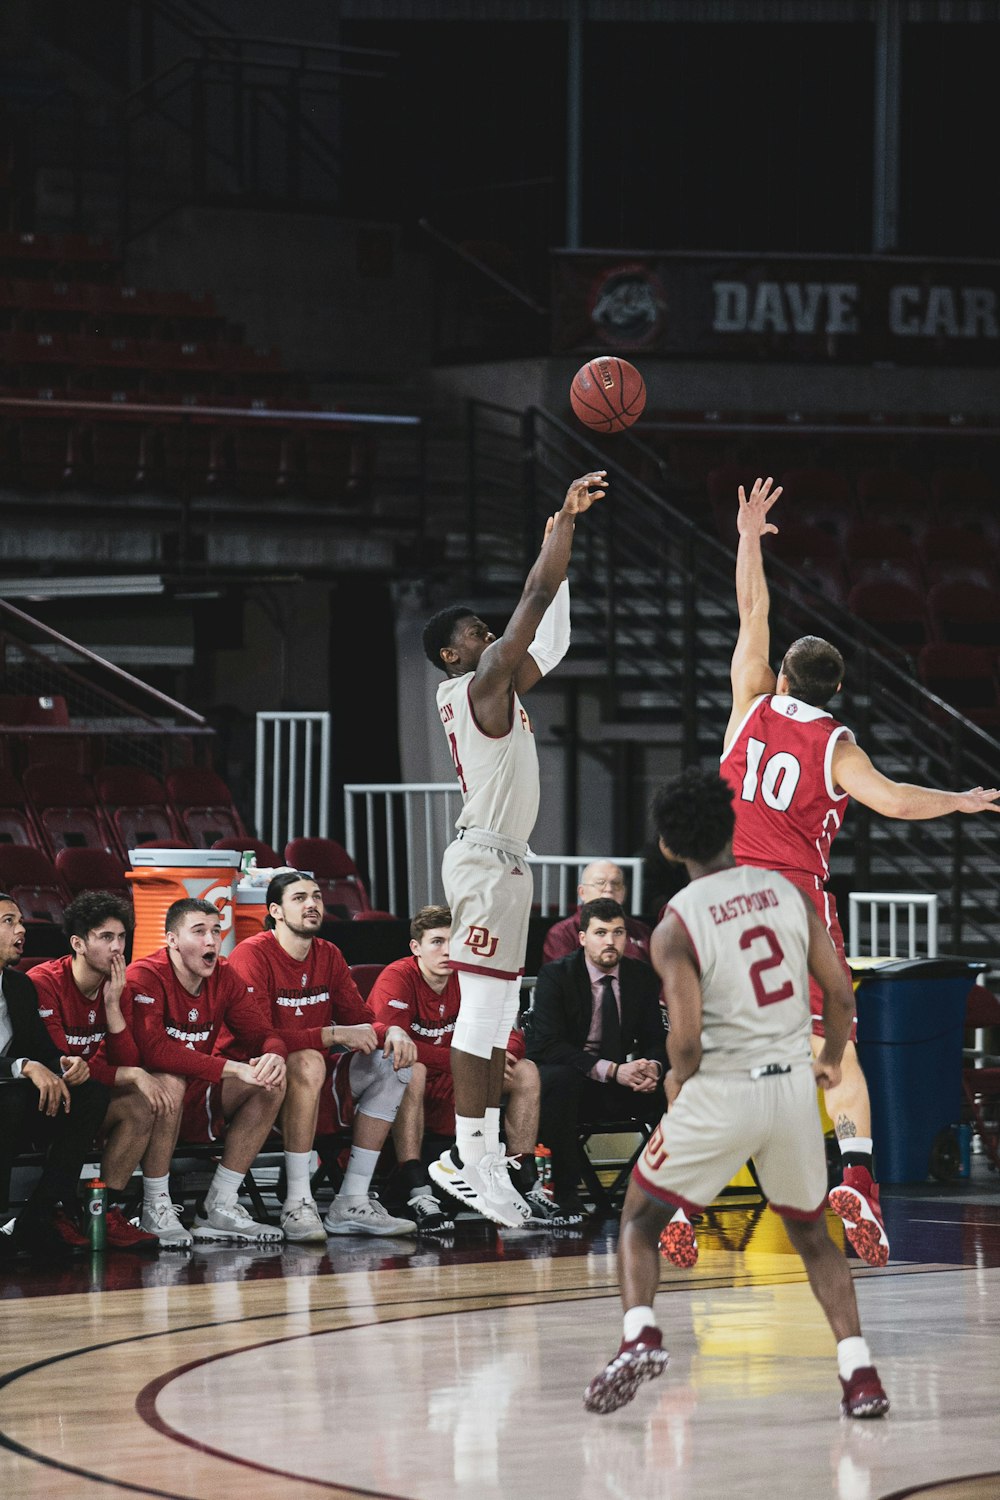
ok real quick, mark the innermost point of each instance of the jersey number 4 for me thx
(458, 764)
(775, 778)
(773, 959)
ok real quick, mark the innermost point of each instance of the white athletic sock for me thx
(224, 1188)
(492, 1131)
(852, 1354)
(863, 1145)
(297, 1175)
(155, 1187)
(470, 1138)
(361, 1166)
(636, 1319)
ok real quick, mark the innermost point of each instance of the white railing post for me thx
(292, 761)
(912, 902)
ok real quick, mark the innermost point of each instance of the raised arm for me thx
(853, 770)
(750, 671)
(506, 664)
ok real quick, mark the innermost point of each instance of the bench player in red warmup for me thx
(792, 767)
(736, 950)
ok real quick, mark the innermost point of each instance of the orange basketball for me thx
(607, 393)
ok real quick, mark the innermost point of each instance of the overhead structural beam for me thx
(886, 134)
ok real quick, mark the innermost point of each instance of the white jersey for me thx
(498, 774)
(749, 929)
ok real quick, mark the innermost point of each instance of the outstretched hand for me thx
(751, 519)
(980, 799)
(583, 492)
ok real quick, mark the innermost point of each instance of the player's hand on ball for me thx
(583, 492)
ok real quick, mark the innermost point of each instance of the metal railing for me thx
(398, 831)
(292, 776)
(871, 903)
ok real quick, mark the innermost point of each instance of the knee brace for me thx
(511, 1004)
(483, 1000)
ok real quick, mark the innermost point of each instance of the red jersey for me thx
(78, 1026)
(402, 997)
(302, 995)
(178, 1032)
(787, 808)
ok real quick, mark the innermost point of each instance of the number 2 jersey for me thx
(749, 930)
(787, 808)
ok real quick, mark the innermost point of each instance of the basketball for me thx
(607, 393)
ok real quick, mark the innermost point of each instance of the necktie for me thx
(611, 1030)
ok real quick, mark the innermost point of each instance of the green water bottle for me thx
(97, 1214)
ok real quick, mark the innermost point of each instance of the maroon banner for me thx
(839, 310)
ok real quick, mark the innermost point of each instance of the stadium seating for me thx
(894, 497)
(66, 809)
(344, 891)
(364, 976)
(872, 548)
(92, 870)
(965, 677)
(964, 613)
(265, 857)
(16, 823)
(30, 877)
(895, 610)
(951, 553)
(203, 806)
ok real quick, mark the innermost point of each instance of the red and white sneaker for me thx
(125, 1236)
(678, 1243)
(640, 1359)
(863, 1394)
(856, 1202)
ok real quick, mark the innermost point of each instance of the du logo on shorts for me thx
(481, 943)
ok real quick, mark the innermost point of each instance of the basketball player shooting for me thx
(792, 767)
(486, 877)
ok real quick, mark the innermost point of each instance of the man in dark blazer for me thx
(596, 1030)
(47, 1102)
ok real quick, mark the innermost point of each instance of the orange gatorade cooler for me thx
(250, 909)
(159, 877)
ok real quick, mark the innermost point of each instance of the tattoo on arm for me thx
(846, 1128)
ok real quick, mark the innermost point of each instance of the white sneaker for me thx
(163, 1218)
(364, 1214)
(480, 1187)
(495, 1172)
(231, 1222)
(300, 1220)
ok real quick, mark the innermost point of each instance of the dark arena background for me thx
(291, 300)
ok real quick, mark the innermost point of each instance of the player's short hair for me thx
(814, 669)
(184, 908)
(90, 908)
(427, 919)
(4, 897)
(693, 814)
(276, 888)
(603, 908)
(440, 629)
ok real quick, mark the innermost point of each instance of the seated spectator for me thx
(422, 994)
(185, 1005)
(596, 1031)
(80, 1000)
(344, 1066)
(48, 1102)
(602, 878)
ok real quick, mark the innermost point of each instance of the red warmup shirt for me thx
(302, 995)
(788, 811)
(402, 997)
(178, 1032)
(78, 1026)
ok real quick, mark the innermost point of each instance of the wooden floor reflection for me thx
(366, 1370)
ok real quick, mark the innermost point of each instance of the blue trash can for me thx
(911, 1022)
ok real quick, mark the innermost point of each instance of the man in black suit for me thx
(46, 1101)
(596, 1030)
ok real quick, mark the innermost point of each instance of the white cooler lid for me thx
(192, 859)
(250, 895)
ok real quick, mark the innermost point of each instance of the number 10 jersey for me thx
(788, 809)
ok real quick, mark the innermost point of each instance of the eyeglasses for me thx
(604, 885)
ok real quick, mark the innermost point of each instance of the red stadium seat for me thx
(893, 496)
(965, 677)
(92, 870)
(870, 545)
(65, 807)
(16, 823)
(364, 976)
(334, 870)
(895, 610)
(815, 494)
(203, 806)
(33, 881)
(266, 857)
(146, 828)
(948, 553)
(964, 613)
(204, 826)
